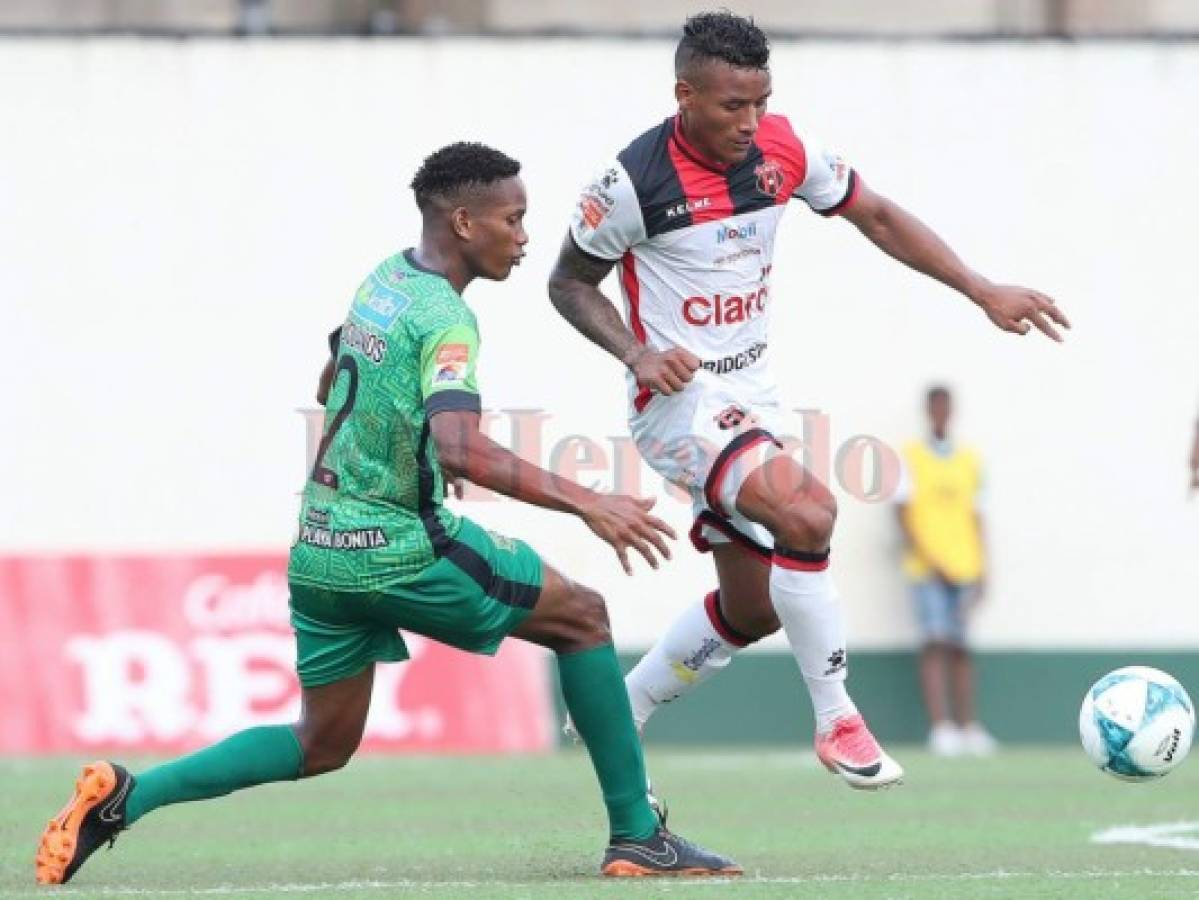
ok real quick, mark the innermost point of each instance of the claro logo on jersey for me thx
(727, 309)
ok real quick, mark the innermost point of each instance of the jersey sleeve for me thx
(607, 219)
(334, 341)
(830, 184)
(448, 358)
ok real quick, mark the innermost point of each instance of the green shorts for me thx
(477, 592)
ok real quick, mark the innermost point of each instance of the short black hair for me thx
(722, 36)
(460, 166)
(938, 390)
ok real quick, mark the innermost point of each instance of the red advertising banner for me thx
(167, 653)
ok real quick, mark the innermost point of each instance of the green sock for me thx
(599, 707)
(250, 757)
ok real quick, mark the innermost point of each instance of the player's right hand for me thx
(625, 522)
(664, 371)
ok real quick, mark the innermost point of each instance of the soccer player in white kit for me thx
(689, 212)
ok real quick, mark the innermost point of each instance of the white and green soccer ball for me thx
(1137, 723)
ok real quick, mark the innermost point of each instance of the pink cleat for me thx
(849, 749)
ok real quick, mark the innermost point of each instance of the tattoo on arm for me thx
(574, 291)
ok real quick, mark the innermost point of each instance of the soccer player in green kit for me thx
(377, 551)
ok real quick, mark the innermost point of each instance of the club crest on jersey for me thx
(770, 177)
(730, 417)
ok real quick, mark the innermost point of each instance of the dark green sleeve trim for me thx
(452, 401)
(334, 340)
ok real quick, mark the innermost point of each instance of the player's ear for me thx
(460, 222)
(683, 92)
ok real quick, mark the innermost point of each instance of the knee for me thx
(759, 623)
(806, 522)
(324, 753)
(587, 624)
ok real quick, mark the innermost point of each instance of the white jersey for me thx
(695, 241)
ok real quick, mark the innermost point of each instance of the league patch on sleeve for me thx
(594, 207)
(451, 363)
(597, 201)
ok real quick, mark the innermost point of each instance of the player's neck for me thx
(696, 148)
(432, 257)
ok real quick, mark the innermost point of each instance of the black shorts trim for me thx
(725, 527)
(716, 474)
(465, 557)
(507, 592)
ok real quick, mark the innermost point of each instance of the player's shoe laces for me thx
(657, 804)
(664, 853)
(95, 814)
(849, 749)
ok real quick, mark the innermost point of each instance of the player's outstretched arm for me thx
(901, 235)
(623, 522)
(574, 291)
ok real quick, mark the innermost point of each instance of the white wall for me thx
(183, 222)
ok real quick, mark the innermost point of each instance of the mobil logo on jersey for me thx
(731, 308)
(730, 231)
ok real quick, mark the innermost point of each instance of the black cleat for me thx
(95, 814)
(663, 853)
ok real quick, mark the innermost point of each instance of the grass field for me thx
(1020, 826)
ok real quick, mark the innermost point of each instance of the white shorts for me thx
(708, 440)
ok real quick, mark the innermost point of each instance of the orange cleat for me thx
(94, 815)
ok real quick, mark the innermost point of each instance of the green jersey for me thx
(372, 512)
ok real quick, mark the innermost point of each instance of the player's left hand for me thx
(1018, 309)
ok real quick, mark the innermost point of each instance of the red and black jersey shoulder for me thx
(677, 187)
(660, 191)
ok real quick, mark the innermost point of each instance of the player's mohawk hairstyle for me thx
(725, 36)
(460, 166)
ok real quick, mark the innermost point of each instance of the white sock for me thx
(692, 651)
(805, 601)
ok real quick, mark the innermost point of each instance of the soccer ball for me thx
(1136, 723)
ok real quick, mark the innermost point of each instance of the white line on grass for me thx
(1169, 834)
(372, 885)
